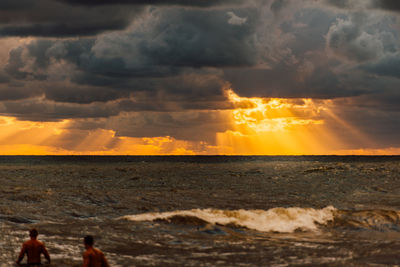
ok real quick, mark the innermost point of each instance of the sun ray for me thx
(275, 126)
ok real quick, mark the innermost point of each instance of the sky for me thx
(199, 77)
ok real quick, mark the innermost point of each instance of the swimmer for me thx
(93, 257)
(33, 248)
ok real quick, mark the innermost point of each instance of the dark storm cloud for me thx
(352, 40)
(190, 54)
(305, 70)
(4, 78)
(199, 3)
(180, 58)
(329, 55)
(177, 57)
(387, 66)
(186, 38)
(50, 18)
(57, 19)
(62, 29)
(191, 125)
(158, 55)
(71, 93)
(339, 3)
(36, 109)
(15, 91)
(181, 38)
(15, 63)
(284, 81)
(16, 5)
(195, 126)
(388, 4)
(278, 5)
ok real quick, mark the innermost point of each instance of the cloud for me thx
(235, 20)
(191, 54)
(350, 4)
(387, 66)
(185, 38)
(52, 18)
(39, 109)
(375, 118)
(57, 19)
(179, 38)
(392, 5)
(193, 125)
(278, 5)
(10, 90)
(172, 53)
(197, 3)
(353, 40)
(190, 125)
(290, 81)
(389, 5)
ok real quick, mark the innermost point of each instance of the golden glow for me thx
(276, 126)
(55, 138)
(271, 114)
(27, 137)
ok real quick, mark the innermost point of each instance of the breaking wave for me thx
(283, 220)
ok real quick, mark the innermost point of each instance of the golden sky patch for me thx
(276, 126)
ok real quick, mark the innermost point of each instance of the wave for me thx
(379, 220)
(283, 220)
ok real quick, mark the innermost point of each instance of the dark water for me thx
(205, 211)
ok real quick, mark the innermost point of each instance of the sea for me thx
(204, 210)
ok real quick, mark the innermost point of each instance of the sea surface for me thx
(205, 210)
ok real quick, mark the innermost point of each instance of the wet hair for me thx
(33, 232)
(88, 240)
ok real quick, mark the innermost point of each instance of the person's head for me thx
(88, 241)
(33, 233)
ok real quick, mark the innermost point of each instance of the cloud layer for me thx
(161, 68)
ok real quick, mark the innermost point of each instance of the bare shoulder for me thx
(89, 253)
(86, 253)
(39, 243)
(99, 251)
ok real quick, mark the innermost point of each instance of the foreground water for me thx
(205, 211)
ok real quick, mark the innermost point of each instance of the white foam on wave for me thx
(284, 220)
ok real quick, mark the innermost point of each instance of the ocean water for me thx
(205, 211)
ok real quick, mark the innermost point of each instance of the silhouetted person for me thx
(93, 257)
(33, 248)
